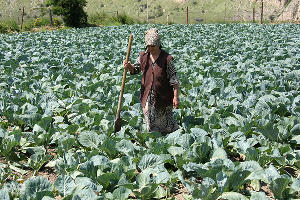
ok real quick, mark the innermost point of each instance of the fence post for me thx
(225, 13)
(262, 11)
(253, 10)
(167, 19)
(147, 12)
(253, 15)
(281, 12)
(187, 15)
(23, 12)
(50, 15)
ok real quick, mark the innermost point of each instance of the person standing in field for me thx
(159, 85)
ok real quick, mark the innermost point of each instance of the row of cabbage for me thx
(239, 115)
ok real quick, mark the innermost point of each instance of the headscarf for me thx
(152, 37)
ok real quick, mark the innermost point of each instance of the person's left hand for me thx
(175, 102)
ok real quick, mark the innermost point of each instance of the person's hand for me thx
(126, 64)
(176, 102)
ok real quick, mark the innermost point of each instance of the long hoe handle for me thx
(118, 122)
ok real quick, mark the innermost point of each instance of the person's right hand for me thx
(126, 64)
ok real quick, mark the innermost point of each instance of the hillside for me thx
(172, 11)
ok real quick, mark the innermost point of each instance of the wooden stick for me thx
(124, 78)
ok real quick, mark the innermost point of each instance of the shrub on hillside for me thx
(98, 18)
(9, 26)
(28, 26)
(3, 28)
(13, 26)
(71, 11)
(38, 22)
(105, 19)
(57, 22)
(123, 19)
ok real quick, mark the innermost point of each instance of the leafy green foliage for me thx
(9, 141)
(9, 26)
(5, 172)
(72, 11)
(4, 195)
(103, 18)
(36, 187)
(239, 114)
(65, 185)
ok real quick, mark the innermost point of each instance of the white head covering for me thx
(152, 37)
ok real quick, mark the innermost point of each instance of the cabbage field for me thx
(239, 115)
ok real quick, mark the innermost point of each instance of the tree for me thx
(71, 11)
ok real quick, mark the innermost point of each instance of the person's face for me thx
(153, 48)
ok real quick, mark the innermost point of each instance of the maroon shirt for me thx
(156, 78)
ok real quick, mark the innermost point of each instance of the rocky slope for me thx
(274, 10)
(283, 10)
(205, 10)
